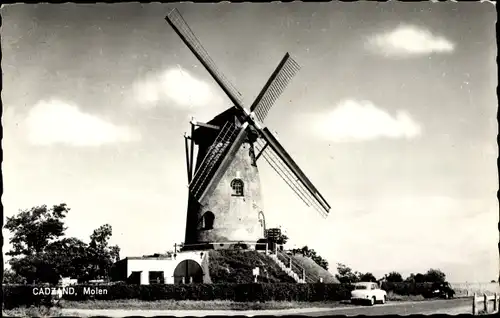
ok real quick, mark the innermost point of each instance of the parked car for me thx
(368, 292)
(441, 290)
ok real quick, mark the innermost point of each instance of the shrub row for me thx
(234, 292)
(406, 289)
(16, 296)
(24, 296)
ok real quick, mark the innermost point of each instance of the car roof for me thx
(363, 284)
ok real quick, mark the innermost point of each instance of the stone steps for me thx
(287, 270)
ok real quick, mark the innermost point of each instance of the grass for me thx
(236, 266)
(313, 270)
(32, 312)
(233, 266)
(195, 305)
(395, 297)
(131, 304)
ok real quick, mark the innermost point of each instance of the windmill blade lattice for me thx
(283, 155)
(274, 87)
(212, 159)
(175, 19)
(282, 169)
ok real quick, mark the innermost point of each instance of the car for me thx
(441, 290)
(368, 292)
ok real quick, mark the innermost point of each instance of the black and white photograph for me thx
(279, 158)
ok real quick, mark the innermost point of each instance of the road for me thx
(453, 307)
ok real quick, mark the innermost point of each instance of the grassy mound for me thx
(313, 270)
(235, 266)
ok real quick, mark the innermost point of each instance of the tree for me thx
(410, 279)
(69, 256)
(394, 277)
(346, 275)
(100, 255)
(367, 277)
(419, 278)
(10, 277)
(282, 239)
(33, 229)
(41, 253)
(277, 236)
(32, 232)
(435, 276)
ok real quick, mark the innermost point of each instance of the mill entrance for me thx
(188, 271)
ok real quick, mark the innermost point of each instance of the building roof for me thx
(149, 257)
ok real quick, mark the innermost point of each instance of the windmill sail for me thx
(229, 153)
(174, 18)
(214, 156)
(287, 169)
(274, 87)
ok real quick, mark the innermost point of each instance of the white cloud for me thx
(55, 121)
(361, 120)
(408, 40)
(175, 85)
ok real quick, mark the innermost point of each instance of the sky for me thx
(392, 116)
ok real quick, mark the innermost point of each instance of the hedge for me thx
(23, 296)
(15, 296)
(406, 289)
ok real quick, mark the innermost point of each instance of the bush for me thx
(407, 288)
(15, 296)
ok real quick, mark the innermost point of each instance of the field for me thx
(467, 289)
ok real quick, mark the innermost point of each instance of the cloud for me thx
(176, 86)
(361, 120)
(407, 41)
(55, 121)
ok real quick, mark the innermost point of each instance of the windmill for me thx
(224, 184)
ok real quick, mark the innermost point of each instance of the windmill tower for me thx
(224, 187)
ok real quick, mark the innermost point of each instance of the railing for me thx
(227, 245)
(486, 300)
(292, 265)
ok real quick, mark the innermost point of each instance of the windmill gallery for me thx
(224, 186)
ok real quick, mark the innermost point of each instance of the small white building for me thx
(183, 268)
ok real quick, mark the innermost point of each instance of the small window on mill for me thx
(208, 221)
(237, 186)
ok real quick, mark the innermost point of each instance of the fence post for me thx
(474, 304)
(267, 249)
(290, 262)
(304, 275)
(485, 303)
(495, 303)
